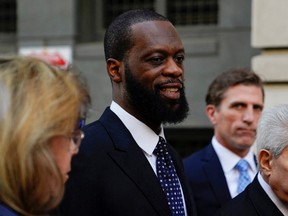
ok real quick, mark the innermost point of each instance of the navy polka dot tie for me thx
(168, 178)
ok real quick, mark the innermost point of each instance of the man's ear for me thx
(113, 69)
(265, 160)
(211, 112)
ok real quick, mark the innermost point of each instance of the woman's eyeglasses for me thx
(78, 134)
(81, 123)
(77, 137)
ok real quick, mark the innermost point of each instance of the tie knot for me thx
(242, 165)
(161, 147)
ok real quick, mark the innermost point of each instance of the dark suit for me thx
(252, 201)
(207, 180)
(111, 175)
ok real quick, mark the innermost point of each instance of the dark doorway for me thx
(188, 140)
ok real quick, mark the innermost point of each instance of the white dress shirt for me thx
(280, 205)
(228, 161)
(144, 136)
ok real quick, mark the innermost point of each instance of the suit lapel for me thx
(131, 159)
(215, 174)
(261, 201)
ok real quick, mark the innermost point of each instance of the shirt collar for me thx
(144, 136)
(229, 159)
(280, 205)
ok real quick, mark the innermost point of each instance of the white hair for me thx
(272, 131)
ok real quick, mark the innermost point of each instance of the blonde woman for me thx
(41, 114)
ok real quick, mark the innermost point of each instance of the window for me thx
(116, 7)
(7, 16)
(95, 15)
(192, 12)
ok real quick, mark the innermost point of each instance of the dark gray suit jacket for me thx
(253, 201)
(111, 175)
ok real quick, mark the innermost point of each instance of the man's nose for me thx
(248, 115)
(172, 68)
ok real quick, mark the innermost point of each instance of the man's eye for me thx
(179, 59)
(157, 60)
(238, 106)
(258, 108)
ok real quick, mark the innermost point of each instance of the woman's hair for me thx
(37, 103)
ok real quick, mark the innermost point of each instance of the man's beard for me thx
(151, 105)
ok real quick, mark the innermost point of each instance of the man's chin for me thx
(173, 107)
(246, 143)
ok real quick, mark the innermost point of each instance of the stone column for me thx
(270, 34)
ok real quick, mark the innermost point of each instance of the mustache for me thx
(179, 81)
